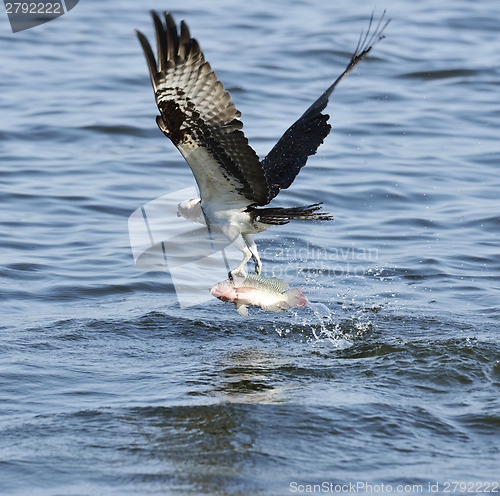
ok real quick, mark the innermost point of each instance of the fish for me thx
(269, 293)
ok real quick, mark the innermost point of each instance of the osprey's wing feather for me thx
(198, 116)
(302, 139)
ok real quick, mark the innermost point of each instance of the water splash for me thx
(329, 331)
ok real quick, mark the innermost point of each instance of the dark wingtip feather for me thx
(150, 58)
(161, 41)
(172, 37)
(184, 41)
(169, 20)
(369, 39)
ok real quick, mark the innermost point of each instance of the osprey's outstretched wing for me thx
(198, 116)
(302, 139)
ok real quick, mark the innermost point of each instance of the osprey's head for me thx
(190, 209)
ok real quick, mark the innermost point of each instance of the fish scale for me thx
(256, 280)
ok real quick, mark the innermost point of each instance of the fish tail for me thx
(295, 298)
(278, 215)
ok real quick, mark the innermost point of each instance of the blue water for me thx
(391, 376)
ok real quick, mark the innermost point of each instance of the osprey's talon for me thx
(237, 272)
(258, 267)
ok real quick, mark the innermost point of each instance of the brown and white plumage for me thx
(197, 114)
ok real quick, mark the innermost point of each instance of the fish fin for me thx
(295, 298)
(242, 309)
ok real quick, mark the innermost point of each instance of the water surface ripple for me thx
(391, 376)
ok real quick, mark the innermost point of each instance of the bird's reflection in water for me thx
(215, 446)
(249, 376)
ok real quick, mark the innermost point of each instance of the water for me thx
(391, 376)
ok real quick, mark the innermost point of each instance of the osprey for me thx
(197, 114)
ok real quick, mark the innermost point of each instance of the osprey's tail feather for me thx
(278, 216)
